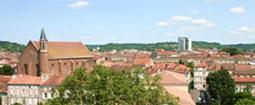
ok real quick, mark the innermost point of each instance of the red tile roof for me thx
(184, 96)
(244, 80)
(54, 80)
(171, 78)
(25, 80)
(243, 67)
(34, 80)
(3, 81)
(57, 50)
(202, 65)
(181, 68)
(142, 61)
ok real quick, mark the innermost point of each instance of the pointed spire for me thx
(43, 35)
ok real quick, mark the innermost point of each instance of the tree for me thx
(17, 104)
(181, 62)
(245, 101)
(191, 66)
(104, 86)
(243, 95)
(191, 85)
(232, 51)
(6, 70)
(221, 87)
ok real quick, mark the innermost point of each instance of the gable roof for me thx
(171, 78)
(62, 50)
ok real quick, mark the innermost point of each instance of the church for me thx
(54, 58)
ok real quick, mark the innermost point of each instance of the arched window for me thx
(38, 71)
(26, 68)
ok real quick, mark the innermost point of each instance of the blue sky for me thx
(128, 21)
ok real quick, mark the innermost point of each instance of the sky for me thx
(128, 21)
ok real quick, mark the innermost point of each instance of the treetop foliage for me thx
(6, 70)
(221, 87)
(106, 87)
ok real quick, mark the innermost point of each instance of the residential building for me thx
(177, 85)
(30, 90)
(201, 72)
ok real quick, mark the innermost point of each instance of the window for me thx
(65, 63)
(43, 47)
(45, 95)
(26, 69)
(77, 63)
(52, 64)
(38, 71)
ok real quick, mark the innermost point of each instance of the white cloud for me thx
(185, 21)
(237, 10)
(79, 4)
(174, 20)
(195, 12)
(180, 18)
(244, 30)
(203, 22)
(163, 23)
(209, 0)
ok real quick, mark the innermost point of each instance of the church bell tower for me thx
(43, 54)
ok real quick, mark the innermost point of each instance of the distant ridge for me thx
(170, 46)
(16, 47)
(11, 46)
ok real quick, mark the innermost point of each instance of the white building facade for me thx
(184, 44)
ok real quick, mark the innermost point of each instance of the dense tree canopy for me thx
(232, 51)
(106, 87)
(221, 87)
(10, 46)
(245, 101)
(6, 70)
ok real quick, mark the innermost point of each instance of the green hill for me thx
(11, 46)
(170, 46)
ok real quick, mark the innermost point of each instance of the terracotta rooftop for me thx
(244, 72)
(244, 80)
(54, 80)
(142, 61)
(184, 96)
(243, 67)
(171, 78)
(34, 80)
(203, 64)
(25, 80)
(180, 68)
(59, 50)
(3, 81)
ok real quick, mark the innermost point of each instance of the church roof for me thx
(62, 50)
